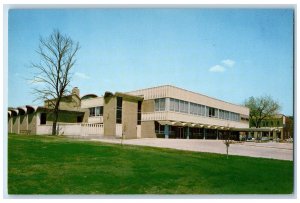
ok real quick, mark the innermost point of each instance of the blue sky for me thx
(229, 54)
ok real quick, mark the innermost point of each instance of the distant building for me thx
(163, 112)
(279, 121)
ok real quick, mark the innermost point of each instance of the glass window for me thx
(162, 104)
(176, 105)
(211, 112)
(156, 104)
(172, 104)
(186, 107)
(92, 111)
(97, 111)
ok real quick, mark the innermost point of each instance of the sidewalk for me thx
(273, 150)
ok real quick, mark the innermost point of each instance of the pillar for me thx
(281, 133)
(269, 134)
(188, 133)
(217, 134)
(274, 135)
(166, 131)
(255, 135)
(204, 133)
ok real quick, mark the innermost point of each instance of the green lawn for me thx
(55, 165)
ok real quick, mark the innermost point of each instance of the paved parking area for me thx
(273, 150)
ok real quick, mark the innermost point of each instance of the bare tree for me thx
(261, 108)
(227, 141)
(57, 57)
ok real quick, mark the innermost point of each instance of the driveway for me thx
(273, 150)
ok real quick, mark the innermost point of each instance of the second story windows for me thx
(179, 105)
(176, 105)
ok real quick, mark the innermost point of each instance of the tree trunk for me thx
(55, 117)
(227, 151)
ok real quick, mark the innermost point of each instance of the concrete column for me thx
(204, 133)
(281, 133)
(269, 134)
(188, 133)
(255, 135)
(274, 135)
(217, 134)
(166, 131)
(249, 134)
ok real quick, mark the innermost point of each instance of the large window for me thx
(181, 106)
(119, 110)
(160, 104)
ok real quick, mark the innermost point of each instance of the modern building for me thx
(163, 112)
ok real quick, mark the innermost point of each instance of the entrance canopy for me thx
(189, 124)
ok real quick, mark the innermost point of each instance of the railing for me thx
(91, 129)
(95, 119)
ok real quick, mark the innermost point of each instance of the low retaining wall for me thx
(72, 129)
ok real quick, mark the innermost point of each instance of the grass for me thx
(56, 165)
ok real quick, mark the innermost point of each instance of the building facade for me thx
(162, 112)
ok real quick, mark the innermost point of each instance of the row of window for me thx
(177, 105)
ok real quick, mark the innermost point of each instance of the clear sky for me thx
(229, 54)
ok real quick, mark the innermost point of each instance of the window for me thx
(119, 110)
(160, 104)
(176, 105)
(159, 129)
(172, 103)
(211, 112)
(96, 111)
(43, 118)
(206, 111)
(139, 113)
(92, 111)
